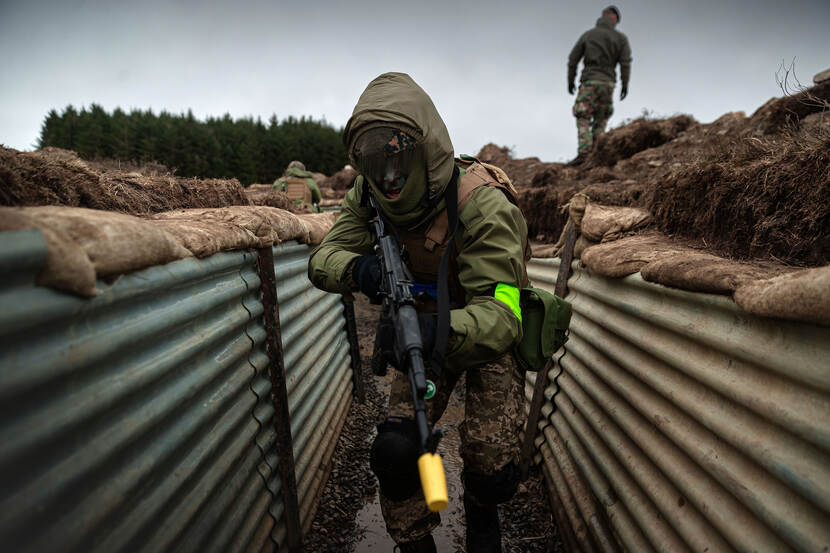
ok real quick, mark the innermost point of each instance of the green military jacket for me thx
(488, 243)
(601, 49)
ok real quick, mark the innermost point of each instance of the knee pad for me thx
(394, 458)
(496, 488)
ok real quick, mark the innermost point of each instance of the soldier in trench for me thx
(601, 49)
(299, 185)
(400, 145)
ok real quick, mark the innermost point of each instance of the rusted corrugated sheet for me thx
(141, 420)
(679, 422)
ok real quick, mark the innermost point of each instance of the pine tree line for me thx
(246, 149)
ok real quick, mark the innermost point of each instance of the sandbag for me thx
(288, 226)
(703, 272)
(205, 232)
(799, 296)
(576, 208)
(317, 225)
(628, 255)
(603, 223)
(85, 243)
(544, 250)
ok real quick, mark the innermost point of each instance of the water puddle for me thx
(449, 536)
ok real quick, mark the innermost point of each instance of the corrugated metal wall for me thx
(142, 420)
(680, 423)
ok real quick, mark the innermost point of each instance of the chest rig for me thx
(296, 189)
(425, 245)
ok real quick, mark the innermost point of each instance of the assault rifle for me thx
(399, 307)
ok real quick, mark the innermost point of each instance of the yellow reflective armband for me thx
(509, 295)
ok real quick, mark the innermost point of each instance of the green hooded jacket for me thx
(601, 49)
(309, 181)
(489, 240)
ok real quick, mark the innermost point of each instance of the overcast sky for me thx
(496, 70)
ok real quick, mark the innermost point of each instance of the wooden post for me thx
(560, 290)
(279, 395)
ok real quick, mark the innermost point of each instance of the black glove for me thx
(383, 355)
(366, 274)
(623, 92)
(429, 329)
(429, 325)
(571, 88)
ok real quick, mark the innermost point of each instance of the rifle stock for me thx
(399, 304)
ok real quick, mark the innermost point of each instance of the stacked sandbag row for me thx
(86, 244)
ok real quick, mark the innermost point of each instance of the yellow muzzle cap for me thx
(433, 481)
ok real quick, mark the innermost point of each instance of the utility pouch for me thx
(545, 318)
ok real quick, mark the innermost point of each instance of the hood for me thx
(395, 100)
(606, 22)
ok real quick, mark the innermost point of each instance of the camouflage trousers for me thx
(493, 418)
(593, 108)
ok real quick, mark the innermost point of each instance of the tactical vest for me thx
(425, 245)
(296, 188)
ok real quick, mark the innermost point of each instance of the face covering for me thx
(387, 157)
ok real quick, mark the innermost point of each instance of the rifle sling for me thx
(442, 334)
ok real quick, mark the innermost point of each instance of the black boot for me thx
(483, 533)
(423, 545)
(578, 160)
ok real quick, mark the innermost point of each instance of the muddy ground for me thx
(349, 519)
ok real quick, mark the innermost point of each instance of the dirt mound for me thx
(520, 171)
(758, 198)
(148, 168)
(781, 113)
(341, 180)
(638, 135)
(726, 184)
(266, 194)
(58, 177)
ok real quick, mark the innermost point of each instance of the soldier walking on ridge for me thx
(601, 49)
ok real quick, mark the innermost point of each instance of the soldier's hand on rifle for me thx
(366, 275)
(571, 88)
(429, 327)
(623, 92)
(429, 324)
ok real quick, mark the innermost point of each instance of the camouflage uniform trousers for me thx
(494, 416)
(593, 108)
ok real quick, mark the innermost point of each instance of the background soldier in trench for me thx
(601, 49)
(398, 141)
(299, 185)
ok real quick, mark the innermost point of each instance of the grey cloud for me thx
(495, 70)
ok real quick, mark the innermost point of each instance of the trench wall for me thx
(675, 422)
(143, 419)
